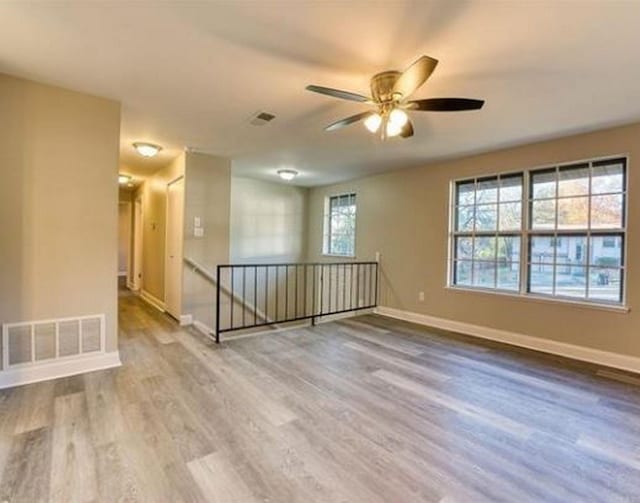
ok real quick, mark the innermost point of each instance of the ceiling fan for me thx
(391, 91)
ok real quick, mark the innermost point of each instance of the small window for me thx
(340, 225)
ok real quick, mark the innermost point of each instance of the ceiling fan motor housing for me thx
(382, 86)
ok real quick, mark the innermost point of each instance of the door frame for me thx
(137, 237)
(180, 178)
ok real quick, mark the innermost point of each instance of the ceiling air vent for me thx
(262, 118)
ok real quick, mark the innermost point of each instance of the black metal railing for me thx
(257, 295)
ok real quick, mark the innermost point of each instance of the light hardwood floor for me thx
(364, 410)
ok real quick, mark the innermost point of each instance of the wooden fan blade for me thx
(349, 120)
(337, 93)
(407, 130)
(414, 76)
(445, 104)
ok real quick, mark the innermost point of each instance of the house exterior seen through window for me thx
(555, 232)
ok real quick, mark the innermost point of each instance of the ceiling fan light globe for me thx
(372, 123)
(393, 129)
(398, 117)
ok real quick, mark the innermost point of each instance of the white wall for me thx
(268, 221)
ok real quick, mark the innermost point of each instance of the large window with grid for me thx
(563, 236)
(340, 225)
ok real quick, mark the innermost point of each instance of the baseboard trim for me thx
(340, 316)
(597, 356)
(204, 329)
(186, 320)
(152, 300)
(59, 368)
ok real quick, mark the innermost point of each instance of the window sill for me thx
(544, 300)
(335, 255)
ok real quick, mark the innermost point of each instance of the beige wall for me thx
(153, 194)
(58, 204)
(404, 215)
(207, 196)
(268, 221)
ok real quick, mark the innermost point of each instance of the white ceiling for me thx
(193, 73)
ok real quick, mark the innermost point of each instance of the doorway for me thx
(136, 263)
(173, 257)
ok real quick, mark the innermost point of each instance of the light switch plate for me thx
(197, 222)
(198, 232)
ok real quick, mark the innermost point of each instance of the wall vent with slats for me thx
(34, 342)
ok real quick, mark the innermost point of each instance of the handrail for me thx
(196, 266)
(202, 270)
(266, 294)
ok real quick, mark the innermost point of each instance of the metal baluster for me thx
(217, 304)
(266, 296)
(304, 294)
(357, 286)
(277, 290)
(377, 268)
(313, 296)
(296, 290)
(232, 299)
(255, 295)
(244, 295)
(321, 289)
(330, 282)
(351, 286)
(344, 286)
(286, 292)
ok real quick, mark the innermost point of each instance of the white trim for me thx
(122, 273)
(55, 369)
(605, 358)
(131, 286)
(339, 316)
(152, 300)
(186, 320)
(204, 329)
(545, 299)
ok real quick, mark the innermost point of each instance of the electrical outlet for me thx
(421, 296)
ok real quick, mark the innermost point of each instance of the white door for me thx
(173, 260)
(136, 273)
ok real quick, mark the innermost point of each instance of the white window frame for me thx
(526, 234)
(326, 228)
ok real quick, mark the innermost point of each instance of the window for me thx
(340, 225)
(572, 231)
(488, 221)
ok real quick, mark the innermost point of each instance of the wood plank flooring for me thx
(362, 410)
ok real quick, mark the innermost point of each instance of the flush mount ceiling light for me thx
(147, 149)
(124, 179)
(287, 174)
(390, 93)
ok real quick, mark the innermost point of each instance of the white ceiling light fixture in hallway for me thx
(287, 174)
(147, 149)
(236, 58)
